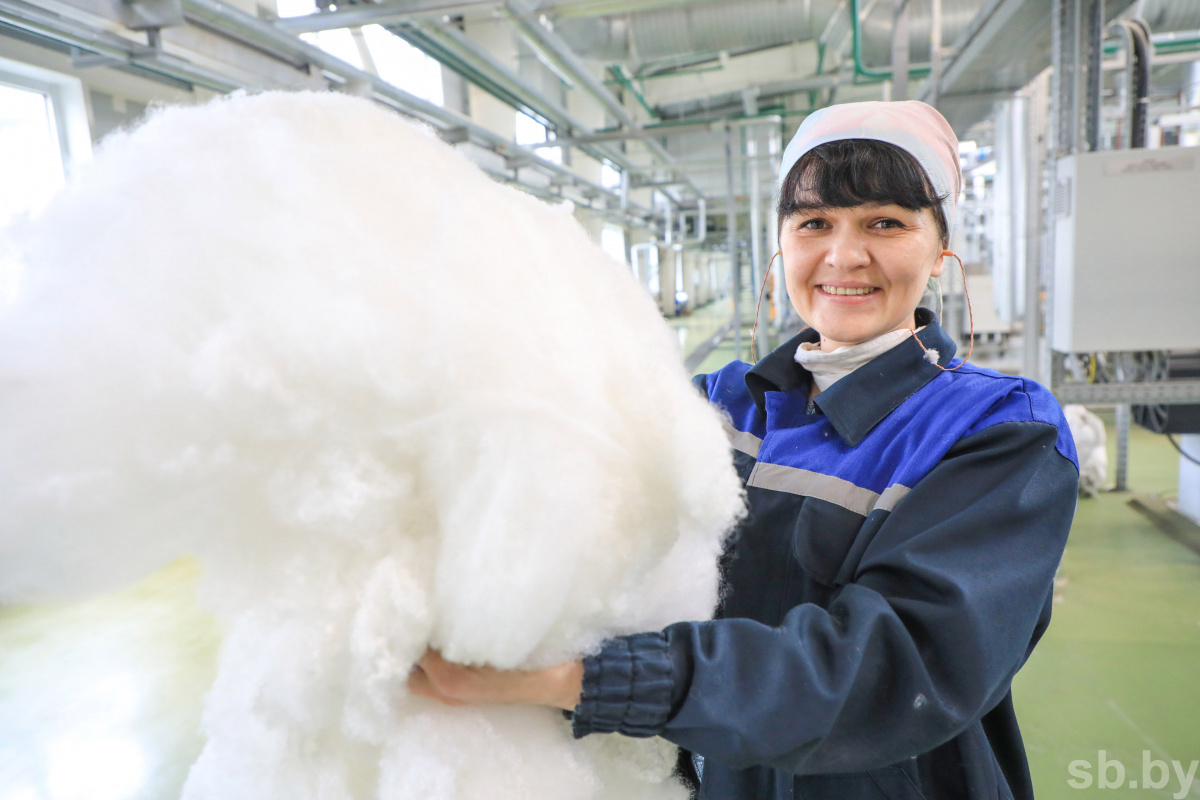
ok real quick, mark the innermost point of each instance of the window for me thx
(31, 161)
(612, 241)
(339, 43)
(373, 49)
(528, 131)
(43, 134)
(404, 66)
(610, 176)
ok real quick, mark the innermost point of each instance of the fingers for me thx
(420, 684)
(455, 684)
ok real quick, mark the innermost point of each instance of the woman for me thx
(907, 514)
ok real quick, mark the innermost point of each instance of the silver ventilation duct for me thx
(876, 28)
(1168, 15)
(685, 32)
(690, 30)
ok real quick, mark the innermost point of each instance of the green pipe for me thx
(451, 60)
(667, 126)
(436, 50)
(1168, 48)
(674, 73)
(628, 84)
(1173, 46)
(859, 68)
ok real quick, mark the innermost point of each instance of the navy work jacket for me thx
(894, 572)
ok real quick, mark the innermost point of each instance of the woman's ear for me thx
(939, 263)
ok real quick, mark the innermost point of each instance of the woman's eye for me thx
(889, 223)
(812, 224)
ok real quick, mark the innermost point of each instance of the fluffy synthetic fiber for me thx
(390, 404)
(1087, 430)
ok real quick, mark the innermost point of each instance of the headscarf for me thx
(911, 125)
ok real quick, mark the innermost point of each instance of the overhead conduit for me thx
(248, 30)
(561, 54)
(457, 52)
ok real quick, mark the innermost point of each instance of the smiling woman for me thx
(862, 230)
(857, 273)
(907, 512)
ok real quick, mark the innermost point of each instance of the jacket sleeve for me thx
(947, 602)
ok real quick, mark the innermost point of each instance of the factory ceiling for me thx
(661, 90)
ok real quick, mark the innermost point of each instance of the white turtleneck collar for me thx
(828, 368)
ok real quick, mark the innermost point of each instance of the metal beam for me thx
(458, 52)
(731, 243)
(767, 92)
(153, 62)
(1144, 393)
(555, 49)
(623, 135)
(701, 164)
(245, 29)
(479, 62)
(382, 14)
(900, 50)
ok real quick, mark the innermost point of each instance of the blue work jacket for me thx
(894, 572)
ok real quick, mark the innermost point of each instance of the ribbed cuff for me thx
(626, 688)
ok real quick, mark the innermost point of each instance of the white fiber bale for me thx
(1087, 430)
(391, 405)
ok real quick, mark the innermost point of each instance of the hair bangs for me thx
(855, 172)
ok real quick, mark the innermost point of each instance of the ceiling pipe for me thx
(713, 124)
(860, 69)
(671, 35)
(555, 49)
(900, 50)
(245, 29)
(382, 14)
(480, 67)
(460, 53)
(150, 62)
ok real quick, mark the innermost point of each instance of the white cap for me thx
(911, 125)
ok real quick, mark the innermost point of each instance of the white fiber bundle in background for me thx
(391, 405)
(1087, 430)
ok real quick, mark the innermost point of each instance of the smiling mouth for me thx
(848, 289)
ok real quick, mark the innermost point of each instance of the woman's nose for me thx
(847, 250)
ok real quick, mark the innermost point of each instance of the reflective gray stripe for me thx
(824, 487)
(744, 442)
(813, 484)
(892, 495)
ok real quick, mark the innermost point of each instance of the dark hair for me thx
(851, 172)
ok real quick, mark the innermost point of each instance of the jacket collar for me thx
(861, 400)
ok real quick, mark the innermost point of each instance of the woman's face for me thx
(857, 273)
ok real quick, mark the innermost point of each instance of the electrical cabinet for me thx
(1126, 251)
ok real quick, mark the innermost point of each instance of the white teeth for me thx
(848, 289)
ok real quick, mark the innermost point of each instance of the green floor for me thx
(696, 328)
(1119, 669)
(101, 700)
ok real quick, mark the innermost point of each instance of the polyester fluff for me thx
(391, 405)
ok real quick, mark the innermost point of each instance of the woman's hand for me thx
(456, 685)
